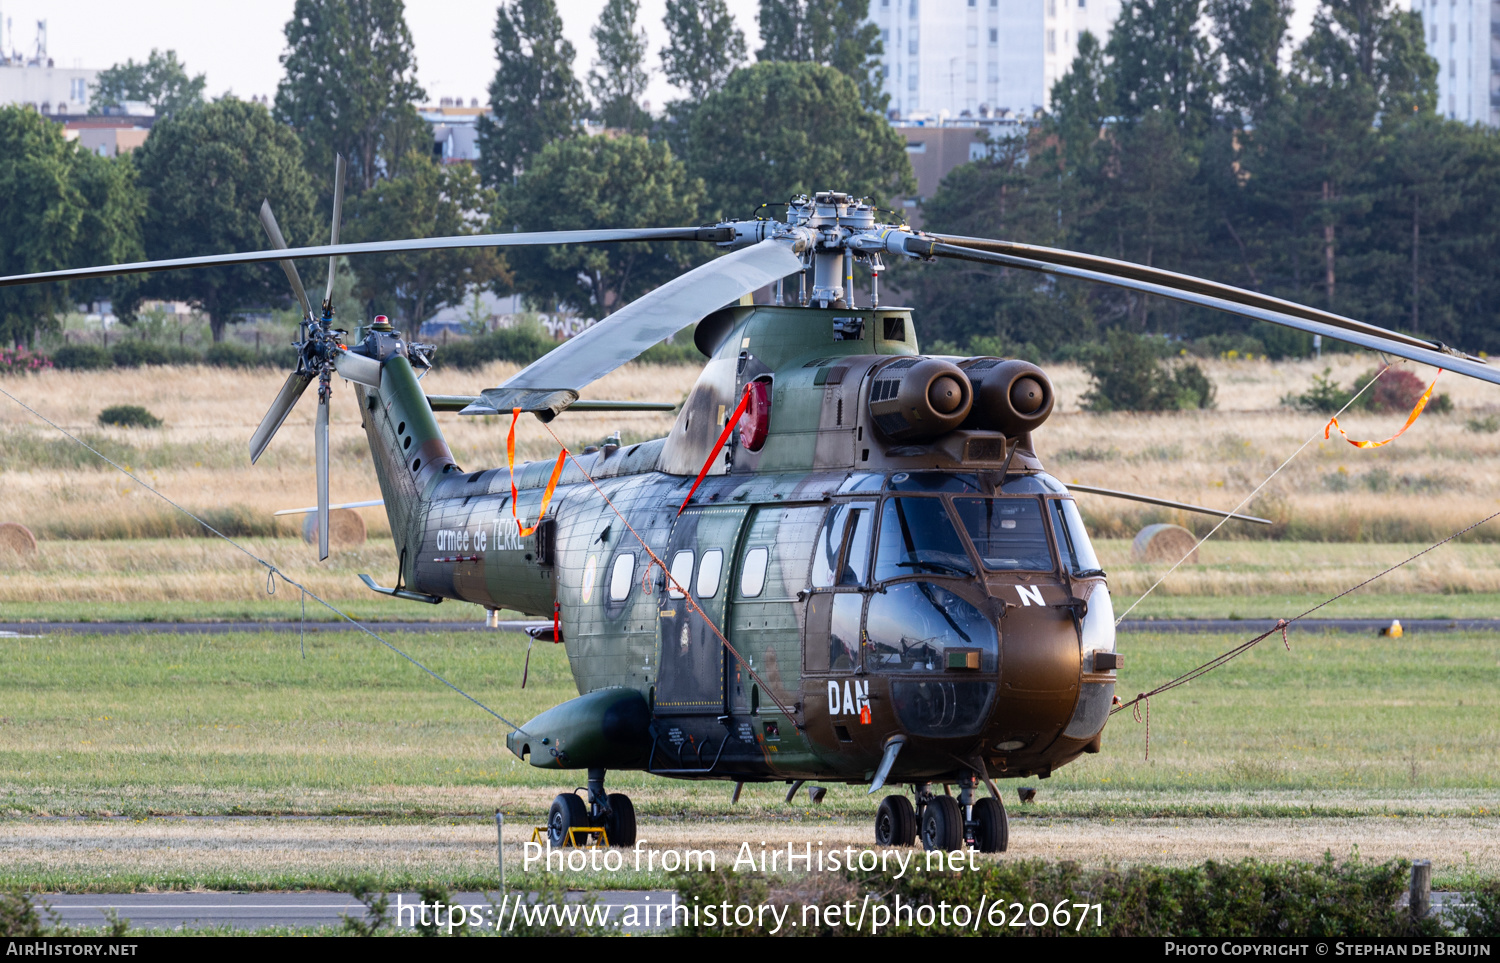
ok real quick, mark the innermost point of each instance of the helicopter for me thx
(845, 562)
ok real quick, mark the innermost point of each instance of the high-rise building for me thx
(981, 58)
(1463, 36)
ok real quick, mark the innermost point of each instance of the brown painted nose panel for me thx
(1039, 673)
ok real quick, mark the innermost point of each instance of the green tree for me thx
(64, 207)
(205, 173)
(703, 46)
(161, 82)
(619, 76)
(1161, 63)
(350, 86)
(1011, 193)
(535, 99)
(834, 33)
(781, 129)
(425, 200)
(601, 182)
(1251, 34)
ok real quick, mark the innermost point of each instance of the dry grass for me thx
(199, 457)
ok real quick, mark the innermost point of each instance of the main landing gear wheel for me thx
(991, 827)
(895, 822)
(567, 812)
(942, 824)
(620, 823)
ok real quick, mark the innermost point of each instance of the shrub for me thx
(21, 361)
(227, 354)
(1325, 396)
(1395, 389)
(1487, 425)
(128, 416)
(521, 344)
(1242, 899)
(1130, 375)
(677, 350)
(82, 357)
(133, 354)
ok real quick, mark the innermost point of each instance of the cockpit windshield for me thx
(1008, 532)
(917, 537)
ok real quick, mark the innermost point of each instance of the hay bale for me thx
(346, 528)
(16, 539)
(1164, 543)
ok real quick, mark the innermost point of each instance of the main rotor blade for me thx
(1385, 341)
(462, 241)
(286, 399)
(1185, 282)
(320, 437)
(551, 383)
(1167, 503)
(268, 221)
(338, 212)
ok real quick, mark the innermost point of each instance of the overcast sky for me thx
(239, 44)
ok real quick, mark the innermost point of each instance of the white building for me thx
(50, 90)
(1463, 36)
(981, 58)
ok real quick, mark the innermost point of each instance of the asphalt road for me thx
(307, 909)
(1245, 627)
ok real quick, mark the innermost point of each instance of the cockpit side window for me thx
(1073, 538)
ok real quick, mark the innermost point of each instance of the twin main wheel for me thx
(569, 812)
(941, 824)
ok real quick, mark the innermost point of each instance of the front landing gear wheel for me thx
(942, 824)
(991, 827)
(895, 822)
(620, 823)
(567, 812)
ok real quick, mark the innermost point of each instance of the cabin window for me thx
(753, 574)
(914, 626)
(1008, 533)
(682, 573)
(917, 537)
(709, 572)
(621, 577)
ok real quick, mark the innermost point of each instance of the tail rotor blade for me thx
(338, 212)
(320, 435)
(268, 221)
(280, 408)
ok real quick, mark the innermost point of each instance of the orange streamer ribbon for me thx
(1410, 420)
(510, 462)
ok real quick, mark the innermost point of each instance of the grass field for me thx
(1344, 733)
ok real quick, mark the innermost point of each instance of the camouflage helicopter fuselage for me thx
(942, 594)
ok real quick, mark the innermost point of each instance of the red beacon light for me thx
(756, 421)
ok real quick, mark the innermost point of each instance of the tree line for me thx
(804, 115)
(1198, 139)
